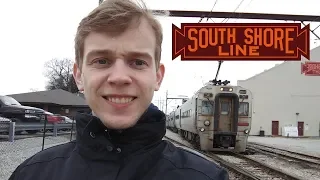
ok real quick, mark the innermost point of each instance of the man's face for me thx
(119, 76)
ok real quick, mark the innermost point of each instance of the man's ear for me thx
(77, 75)
(160, 75)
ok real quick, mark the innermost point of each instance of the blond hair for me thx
(116, 16)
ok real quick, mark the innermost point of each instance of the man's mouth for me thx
(119, 100)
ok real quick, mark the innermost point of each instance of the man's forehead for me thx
(129, 44)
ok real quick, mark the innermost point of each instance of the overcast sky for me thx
(36, 31)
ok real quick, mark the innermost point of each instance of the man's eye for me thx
(102, 61)
(139, 62)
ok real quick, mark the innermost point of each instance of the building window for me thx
(243, 109)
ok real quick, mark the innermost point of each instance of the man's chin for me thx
(117, 122)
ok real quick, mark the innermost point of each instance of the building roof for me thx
(313, 57)
(80, 94)
(57, 96)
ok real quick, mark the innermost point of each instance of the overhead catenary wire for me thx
(226, 19)
(220, 62)
(244, 10)
(219, 65)
(214, 5)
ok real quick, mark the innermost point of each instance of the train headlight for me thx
(206, 123)
(226, 89)
(202, 129)
(246, 131)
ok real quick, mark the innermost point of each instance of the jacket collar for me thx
(95, 141)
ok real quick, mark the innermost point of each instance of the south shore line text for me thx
(254, 38)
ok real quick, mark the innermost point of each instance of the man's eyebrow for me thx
(98, 52)
(139, 54)
(128, 54)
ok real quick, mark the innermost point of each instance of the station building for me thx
(284, 97)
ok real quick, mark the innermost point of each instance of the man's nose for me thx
(119, 74)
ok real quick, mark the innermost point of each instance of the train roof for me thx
(210, 86)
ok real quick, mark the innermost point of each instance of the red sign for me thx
(310, 68)
(241, 41)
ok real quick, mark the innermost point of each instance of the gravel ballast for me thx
(13, 154)
(289, 167)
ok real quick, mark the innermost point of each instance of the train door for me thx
(226, 114)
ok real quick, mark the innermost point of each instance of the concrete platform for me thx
(302, 145)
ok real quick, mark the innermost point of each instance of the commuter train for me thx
(216, 118)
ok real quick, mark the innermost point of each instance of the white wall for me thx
(280, 93)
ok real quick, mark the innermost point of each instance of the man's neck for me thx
(93, 114)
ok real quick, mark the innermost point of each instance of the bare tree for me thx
(59, 74)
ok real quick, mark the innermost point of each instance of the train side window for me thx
(225, 108)
(207, 107)
(244, 109)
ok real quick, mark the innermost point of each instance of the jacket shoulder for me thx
(46, 156)
(190, 163)
(56, 152)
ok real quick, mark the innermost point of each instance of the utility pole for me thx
(182, 98)
(166, 101)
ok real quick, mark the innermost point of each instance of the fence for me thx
(38, 129)
(20, 140)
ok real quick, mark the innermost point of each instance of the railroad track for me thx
(296, 163)
(245, 166)
(299, 157)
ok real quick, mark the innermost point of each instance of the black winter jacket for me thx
(137, 153)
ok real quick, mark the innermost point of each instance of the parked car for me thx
(53, 118)
(4, 121)
(68, 120)
(12, 109)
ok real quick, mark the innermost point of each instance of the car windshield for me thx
(7, 100)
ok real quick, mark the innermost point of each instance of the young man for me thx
(118, 52)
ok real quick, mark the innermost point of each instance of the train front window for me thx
(225, 108)
(207, 107)
(244, 109)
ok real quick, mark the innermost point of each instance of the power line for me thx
(215, 3)
(233, 11)
(264, 16)
(244, 9)
(220, 62)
